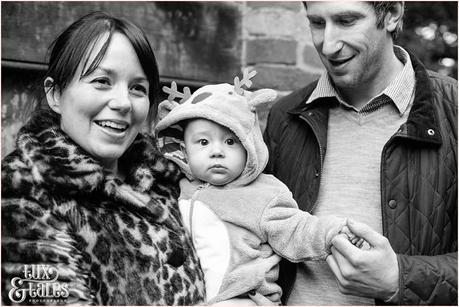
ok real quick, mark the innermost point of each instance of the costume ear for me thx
(53, 95)
(165, 107)
(261, 97)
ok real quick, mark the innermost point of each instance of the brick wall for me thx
(277, 44)
(195, 43)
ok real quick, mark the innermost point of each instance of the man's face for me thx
(350, 46)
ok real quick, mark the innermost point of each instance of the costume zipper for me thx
(321, 152)
(193, 198)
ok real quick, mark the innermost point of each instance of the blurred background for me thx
(197, 43)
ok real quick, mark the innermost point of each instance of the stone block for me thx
(273, 22)
(289, 5)
(271, 51)
(282, 78)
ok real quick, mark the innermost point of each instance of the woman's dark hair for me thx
(74, 45)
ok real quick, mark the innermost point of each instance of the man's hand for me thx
(261, 300)
(371, 272)
(352, 237)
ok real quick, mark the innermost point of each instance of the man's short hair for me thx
(381, 9)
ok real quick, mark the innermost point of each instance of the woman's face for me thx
(103, 112)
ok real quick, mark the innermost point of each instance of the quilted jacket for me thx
(106, 242)
(418, 181)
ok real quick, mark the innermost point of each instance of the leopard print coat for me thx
(111, 242)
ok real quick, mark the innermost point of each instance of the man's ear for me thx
(53, 95)
(393, 17)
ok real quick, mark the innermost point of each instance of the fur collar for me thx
(46, 156)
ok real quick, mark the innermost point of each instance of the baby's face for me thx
(214, 153)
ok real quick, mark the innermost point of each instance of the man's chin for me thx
(344, 81)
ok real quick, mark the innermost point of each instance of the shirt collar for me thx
(400, 90)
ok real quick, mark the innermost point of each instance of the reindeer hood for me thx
(224, 104)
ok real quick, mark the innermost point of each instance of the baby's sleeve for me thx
(295, 234)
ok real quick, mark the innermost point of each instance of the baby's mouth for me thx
(217, 167)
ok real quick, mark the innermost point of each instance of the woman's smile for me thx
(113, 127)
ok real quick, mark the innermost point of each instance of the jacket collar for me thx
(422, 124)
(61, 165)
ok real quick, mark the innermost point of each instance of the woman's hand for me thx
(371, 272)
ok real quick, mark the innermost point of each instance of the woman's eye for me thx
(203, 142)
(230, 141)
(139, 89)
(101, 81)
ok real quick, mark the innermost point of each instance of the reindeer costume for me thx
(242, 229)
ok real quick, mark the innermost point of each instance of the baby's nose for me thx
(217, 150)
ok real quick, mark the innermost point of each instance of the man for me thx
(374, 140)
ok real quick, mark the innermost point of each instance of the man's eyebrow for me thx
(340, 15)
(312, 16)
(349, 14)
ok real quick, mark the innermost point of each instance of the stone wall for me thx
(196, 43)
(277, 44)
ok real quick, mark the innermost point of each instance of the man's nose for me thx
(331, 43)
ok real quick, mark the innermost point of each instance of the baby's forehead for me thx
(204, 125)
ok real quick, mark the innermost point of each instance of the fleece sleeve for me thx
(34, 235)
(297, 235)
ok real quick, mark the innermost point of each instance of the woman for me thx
(89, 209)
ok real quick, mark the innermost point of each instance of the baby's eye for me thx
(203, 142)
(230, 141)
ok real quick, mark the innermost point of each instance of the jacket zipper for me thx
(321, 153)
(193, 198)
(381, 175)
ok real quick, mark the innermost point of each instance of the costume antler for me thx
(173, 93)
(245, 81)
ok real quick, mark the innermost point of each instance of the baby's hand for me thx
(357, 241)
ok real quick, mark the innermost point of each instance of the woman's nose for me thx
(121, 101)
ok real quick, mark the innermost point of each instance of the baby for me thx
(242, 221)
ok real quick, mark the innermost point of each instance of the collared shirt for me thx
(400, 91)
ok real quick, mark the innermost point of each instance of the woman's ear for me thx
(393, 17)
(53, 95)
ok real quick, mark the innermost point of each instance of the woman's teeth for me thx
(113, 125)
